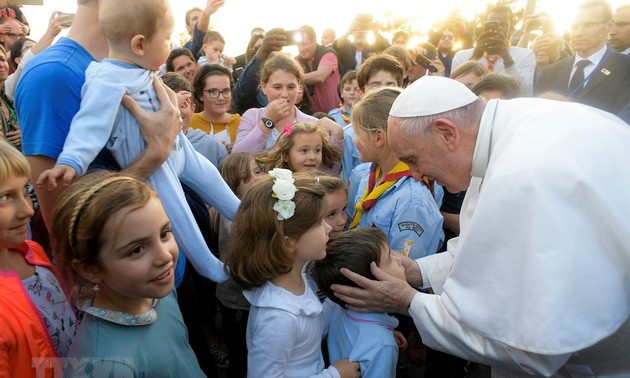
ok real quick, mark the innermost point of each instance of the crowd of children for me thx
(272, 229)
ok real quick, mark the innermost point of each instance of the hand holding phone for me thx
(491, 26)
(294, 37)
(364, 18)
(65, 19)
(425, 62)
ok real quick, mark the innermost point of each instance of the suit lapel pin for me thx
(605, 72)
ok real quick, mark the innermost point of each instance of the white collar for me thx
(486, 139)
(594, 58)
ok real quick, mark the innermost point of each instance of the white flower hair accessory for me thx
(284, 190)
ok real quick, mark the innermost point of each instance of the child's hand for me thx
(60, 171)
(213, 56)
(401, 341)
(183, 99)
(332, 127)
(228, 61)
(278, 109)
(228, 146)
(348, 369)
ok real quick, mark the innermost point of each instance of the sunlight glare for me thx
(236, 24)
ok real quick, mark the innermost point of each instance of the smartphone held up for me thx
(294, 37)
(65, 19)
(491, 26)
(425, 62)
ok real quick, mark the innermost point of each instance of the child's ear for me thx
(290, 243)
(380, 137)
(91, 273)
(137, 44)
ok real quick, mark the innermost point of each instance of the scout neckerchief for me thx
(372, 193)
(492, 59)
(345, 114)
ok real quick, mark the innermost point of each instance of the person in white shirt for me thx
(493, 50)
(537, 282)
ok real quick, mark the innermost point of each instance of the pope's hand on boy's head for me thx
(385, 294)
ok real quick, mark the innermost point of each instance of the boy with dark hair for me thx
(367, 338)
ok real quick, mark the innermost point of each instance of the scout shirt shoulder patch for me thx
(410, 226)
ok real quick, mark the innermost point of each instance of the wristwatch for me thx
(268, 123)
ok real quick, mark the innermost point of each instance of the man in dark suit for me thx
(596, 75)
(619, 38)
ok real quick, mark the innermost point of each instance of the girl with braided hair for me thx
(117, 253)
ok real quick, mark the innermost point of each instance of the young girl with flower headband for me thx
(282, 215)
(303, 146)
(388, 197)
(117, 253)
(37, 322)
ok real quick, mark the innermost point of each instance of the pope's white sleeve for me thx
(439, 330)
(434, 268)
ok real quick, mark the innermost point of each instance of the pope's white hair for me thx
(465, 117)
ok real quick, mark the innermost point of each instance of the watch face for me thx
(269, 124)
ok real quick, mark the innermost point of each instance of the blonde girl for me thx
(117, 253)
(37, 322)
(282, 216)
(302, 147)
(387, 195)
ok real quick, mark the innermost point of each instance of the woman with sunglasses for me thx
(213, 94)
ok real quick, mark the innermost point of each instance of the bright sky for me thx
(237, 17)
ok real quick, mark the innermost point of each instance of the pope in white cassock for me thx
(539, 280)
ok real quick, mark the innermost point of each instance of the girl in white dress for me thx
(279, 228)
